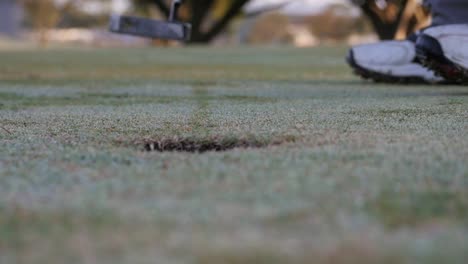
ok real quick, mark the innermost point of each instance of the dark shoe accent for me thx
(380, 77)
(431, 55)
(413, 37)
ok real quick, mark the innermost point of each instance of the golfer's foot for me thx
(390, 62)
(444, 49)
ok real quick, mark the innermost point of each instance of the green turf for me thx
(358, 172)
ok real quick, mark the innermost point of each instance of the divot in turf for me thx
(197, 145)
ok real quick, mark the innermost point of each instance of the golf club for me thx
(149, 28)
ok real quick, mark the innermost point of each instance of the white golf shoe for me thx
(391, 62)
(444, 49)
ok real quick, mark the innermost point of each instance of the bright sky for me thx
(297, 6)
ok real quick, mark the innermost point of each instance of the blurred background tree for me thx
(72, 16)
(42, 16)
(270, 28)
(336, 23)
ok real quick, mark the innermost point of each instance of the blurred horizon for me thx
(292, 7)
(301, 23)
(84, 21)
(300, 7)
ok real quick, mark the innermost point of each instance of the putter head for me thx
(150, 28)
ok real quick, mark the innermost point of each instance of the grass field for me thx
(337, 170)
